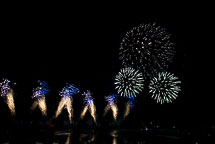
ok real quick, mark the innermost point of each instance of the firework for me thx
(164, 88)
(128, 106)
(66, 101)
(10, 102)
(5, 87)
(129, 82)
(89, 105)
(148, 48)
(111, 100)
(7, 93)
(39, 94)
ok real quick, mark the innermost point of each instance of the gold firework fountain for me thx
(66, 101)
(8, 94)
(10, 102)
(128, 106)
(111, 99)
(41, 103)
(127, 110)
(89, 106)
(39, 95)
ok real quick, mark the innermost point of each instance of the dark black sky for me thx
(77, 46)
(81, 47)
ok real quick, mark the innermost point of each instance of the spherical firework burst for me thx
(148, 48)
(129, 82)
(164, 88)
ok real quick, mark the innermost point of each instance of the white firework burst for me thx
(164, 88)
(129, 82)
(147, 47)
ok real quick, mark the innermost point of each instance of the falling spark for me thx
(89, 105)
(66, 101)
(111, 99)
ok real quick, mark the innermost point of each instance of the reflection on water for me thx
(115, 136)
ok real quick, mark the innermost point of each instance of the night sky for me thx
(82, 48)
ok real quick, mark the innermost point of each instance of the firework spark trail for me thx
(164, 88)
(92, 109)
(114, 110)
(107, 108)
(129, 82)
(7, 93)
(89, 105)
(69, 109)
(111, 99)
(42, 105)
(84, 112)
(60, 107)
(129, 105)
(147, 47)
(10, 102)
(66, 101)
(127, 109)
(34, 105)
